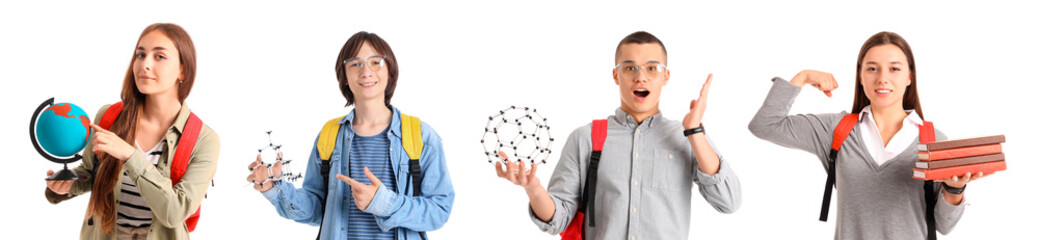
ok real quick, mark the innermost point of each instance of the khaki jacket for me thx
(170, 205)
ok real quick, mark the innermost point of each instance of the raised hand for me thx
(824, 81)
(697, 106)
(517, 173)
(363, 193)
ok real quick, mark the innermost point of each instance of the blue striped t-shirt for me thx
(372, 152)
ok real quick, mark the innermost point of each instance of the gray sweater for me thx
(873, 202)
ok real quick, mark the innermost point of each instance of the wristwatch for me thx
(954, 190)
(692, 131)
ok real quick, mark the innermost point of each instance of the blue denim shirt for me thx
(394, 209)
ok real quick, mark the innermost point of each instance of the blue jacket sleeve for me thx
(304, 204)
(423, 213)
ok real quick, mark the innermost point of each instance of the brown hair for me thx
(125, 126)
(910, 100)
(640, 37)
(351, 48)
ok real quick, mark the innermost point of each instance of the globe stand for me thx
(65, 174)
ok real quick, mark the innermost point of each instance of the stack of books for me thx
(944, 159)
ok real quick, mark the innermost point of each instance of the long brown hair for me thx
(125, 126)
(351, 48)
(910, 100)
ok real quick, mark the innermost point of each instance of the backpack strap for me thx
(108, 118)
(839, 135)
(182, 157)
(598, 140)
(575, 230)
(326, 143)
(930, 189)
(411, 138)
(185, 146)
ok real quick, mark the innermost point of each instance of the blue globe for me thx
(63, 129)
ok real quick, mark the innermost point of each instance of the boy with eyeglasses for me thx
(646, 166)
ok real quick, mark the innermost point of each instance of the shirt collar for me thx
(624, 119)
(182, 118)
(911, 118)
(394, 122)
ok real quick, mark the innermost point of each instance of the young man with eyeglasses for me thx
(375, 173)
(646, 166)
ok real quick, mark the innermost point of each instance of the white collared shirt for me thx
(903, 139)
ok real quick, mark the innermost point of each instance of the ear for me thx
(615, 79)
(667, 76)
(911, 78)
(181, 76)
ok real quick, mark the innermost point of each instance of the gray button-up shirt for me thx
(646, 175)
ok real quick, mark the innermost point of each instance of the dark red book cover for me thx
(958, 143)
(959, 161)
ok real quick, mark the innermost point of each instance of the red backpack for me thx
(180, 158)
(840, 133)
(575, 231)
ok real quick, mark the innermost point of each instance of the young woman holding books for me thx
(877, 195)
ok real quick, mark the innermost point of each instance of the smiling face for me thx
(640, 96)
(366, 84)
(885, 76)
(156, 65)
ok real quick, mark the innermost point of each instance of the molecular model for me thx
(286, 170)
(517, 133)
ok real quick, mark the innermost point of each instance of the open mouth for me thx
(368, 84)
(641, 93)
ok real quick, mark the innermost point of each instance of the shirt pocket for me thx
(669, 170)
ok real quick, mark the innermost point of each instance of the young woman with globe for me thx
(139, 190)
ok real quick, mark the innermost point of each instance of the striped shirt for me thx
(133, 211)
(372, 152)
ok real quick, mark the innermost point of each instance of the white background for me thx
(270, 67)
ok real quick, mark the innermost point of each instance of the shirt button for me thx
(636, 155)
(669, 156)
(632, 237)
(637, 131)
(634, 210)
(391, 149)
(635, 182)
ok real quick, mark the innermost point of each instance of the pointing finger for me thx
(348, 180)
